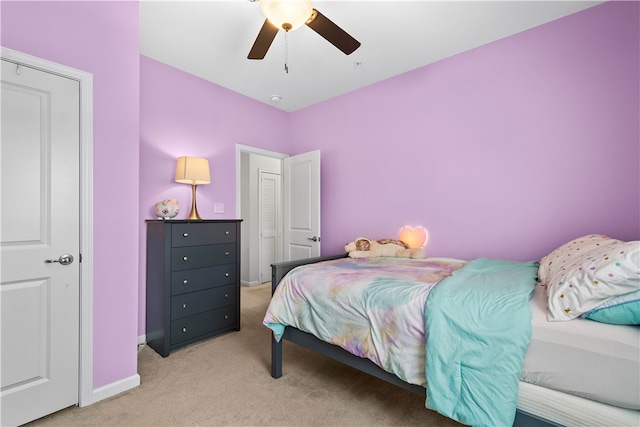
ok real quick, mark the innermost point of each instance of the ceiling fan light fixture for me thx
(287, 14)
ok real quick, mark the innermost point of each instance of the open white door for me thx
(301, 179)
(40, 235)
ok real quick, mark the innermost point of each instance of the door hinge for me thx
(80, 258)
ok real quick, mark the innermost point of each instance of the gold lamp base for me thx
(194, 209)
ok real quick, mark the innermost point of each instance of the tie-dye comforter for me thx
(371, 307)
(476, 323)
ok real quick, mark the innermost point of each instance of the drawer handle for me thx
(226, 253)
(184, 330)
(226, 295)
(226, 274)
(226, 317)
(185, 234)
(226, 232)
(184, 258)
(185, 281)
(184, 306)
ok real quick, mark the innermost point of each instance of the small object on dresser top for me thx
(167, 209)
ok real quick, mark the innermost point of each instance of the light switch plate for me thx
(218, 208)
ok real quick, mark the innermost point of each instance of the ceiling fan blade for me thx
(334, 34)
(263, 41)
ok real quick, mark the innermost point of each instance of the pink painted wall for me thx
(504, 151)
(181, 114)
(100, 38)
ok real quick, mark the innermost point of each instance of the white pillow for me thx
(587, 272)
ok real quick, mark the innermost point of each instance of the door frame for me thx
(85, 385)
(240, 149)
(251, 150)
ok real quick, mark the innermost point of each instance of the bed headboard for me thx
(280, 269)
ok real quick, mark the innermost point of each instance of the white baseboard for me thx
(142, 339)
(113, 389)
(254, 283)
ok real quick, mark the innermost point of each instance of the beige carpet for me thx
(226, 381)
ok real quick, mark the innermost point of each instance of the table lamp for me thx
(194, 171)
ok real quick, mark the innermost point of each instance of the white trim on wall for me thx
(116, 387)
(86, 395)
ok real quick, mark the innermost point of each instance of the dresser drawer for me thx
(197, 302)
(203, 323)
(203, 278)
(188, 257)
(193, 234)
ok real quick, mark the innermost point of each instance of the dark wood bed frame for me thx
(306, 340)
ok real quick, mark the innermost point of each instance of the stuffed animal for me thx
(365, 248)
(167, 209)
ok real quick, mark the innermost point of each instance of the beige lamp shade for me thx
(192, 170)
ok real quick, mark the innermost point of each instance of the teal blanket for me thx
(478, 327)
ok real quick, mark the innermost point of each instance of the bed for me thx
(577, 372)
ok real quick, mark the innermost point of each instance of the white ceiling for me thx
(211, 39)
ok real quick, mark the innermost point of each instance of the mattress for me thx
(584, 358)
(568, 410)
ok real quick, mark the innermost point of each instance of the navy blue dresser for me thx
(193, 281)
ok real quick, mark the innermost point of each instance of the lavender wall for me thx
(504, 151)
(181, 114)
(100, 38)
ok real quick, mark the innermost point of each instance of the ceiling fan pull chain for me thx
(286, 51)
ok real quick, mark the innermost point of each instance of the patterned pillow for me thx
(587, 272)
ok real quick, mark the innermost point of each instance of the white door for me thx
(301, 178)
(269, 217)
(40, 235)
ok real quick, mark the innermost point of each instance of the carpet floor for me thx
(226, 381)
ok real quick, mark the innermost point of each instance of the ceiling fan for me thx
(292, 14)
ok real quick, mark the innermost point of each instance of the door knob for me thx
(314, 238)
(65, 259)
